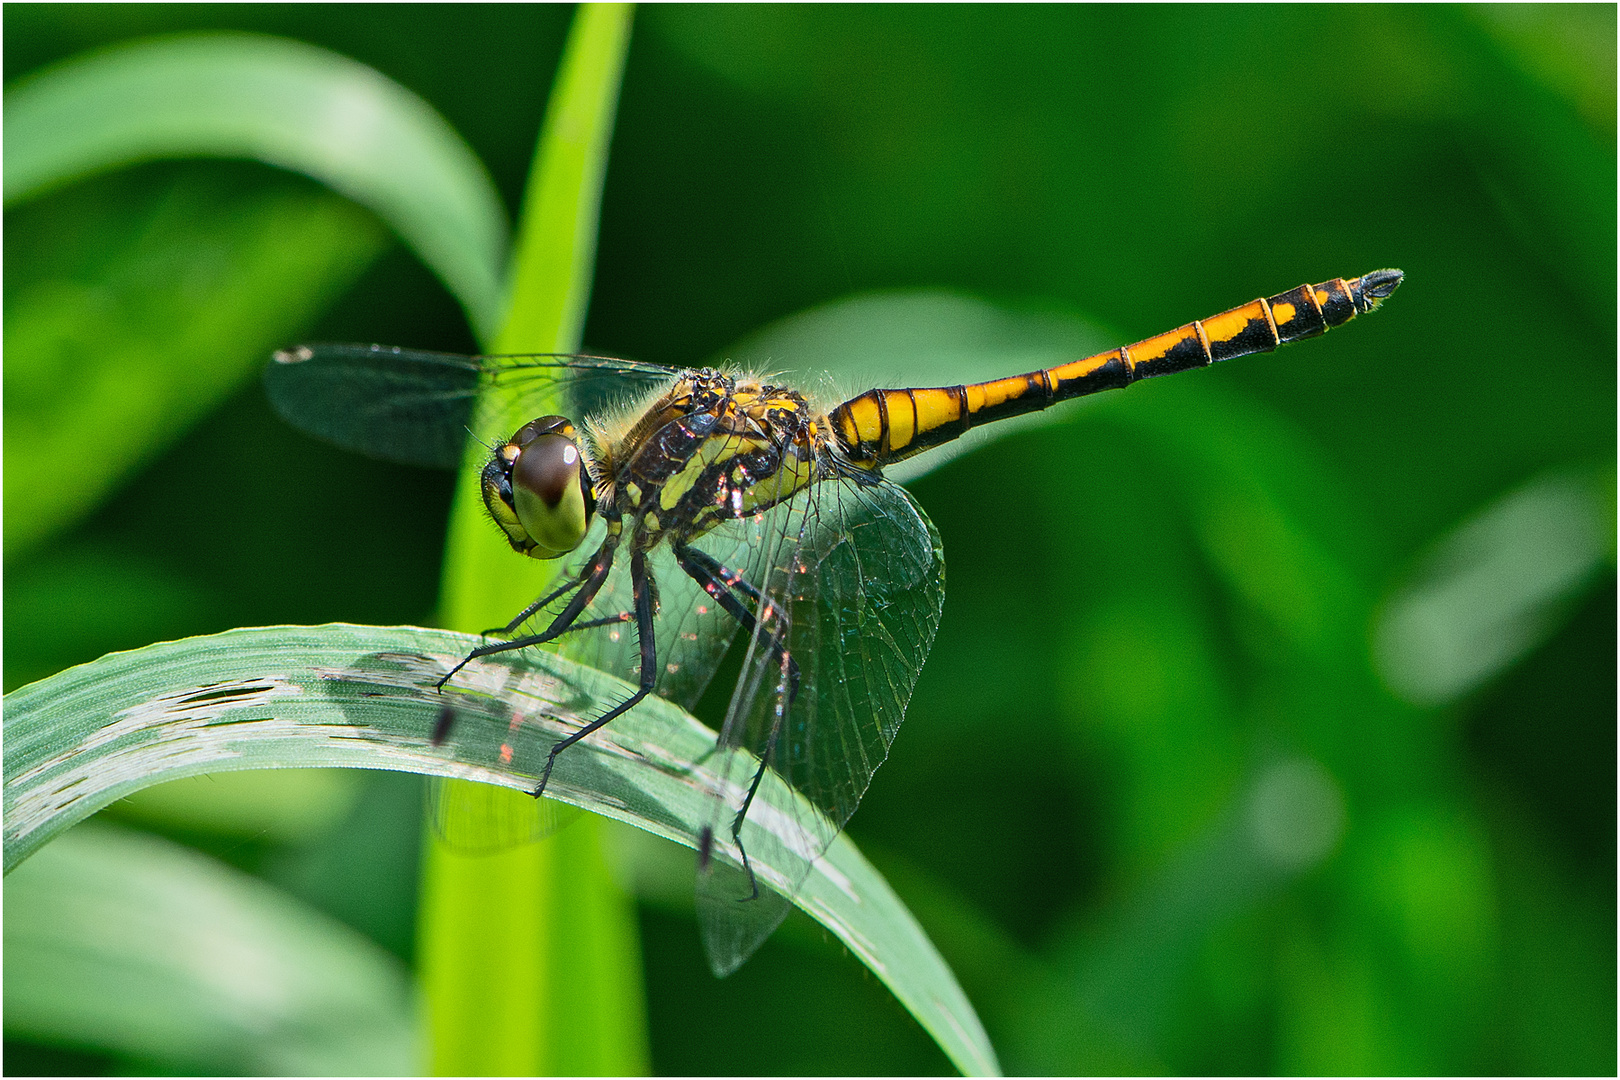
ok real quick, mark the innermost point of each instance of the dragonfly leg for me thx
(641, 589)
(447, 715)
(723, 585)
(575, 581)
(599, 567)
(748, 800)
(706, 835)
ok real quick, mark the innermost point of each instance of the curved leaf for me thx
(138, 311)
(277, 101)
(126, 942)
(1492, 588)
(364, 697)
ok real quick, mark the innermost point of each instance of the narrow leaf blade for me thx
(363, 697)
(130, 943)
(281, 102)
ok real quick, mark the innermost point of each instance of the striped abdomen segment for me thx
(883, 426)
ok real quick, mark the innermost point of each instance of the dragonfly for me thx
(694, 504)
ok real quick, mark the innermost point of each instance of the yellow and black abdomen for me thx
(884, 426)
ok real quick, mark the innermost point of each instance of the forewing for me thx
(520, 388)
(416, 407)
(855, 585)
(395, 404)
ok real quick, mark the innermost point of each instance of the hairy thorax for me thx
(713, 447)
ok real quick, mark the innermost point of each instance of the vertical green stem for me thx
(529, 958)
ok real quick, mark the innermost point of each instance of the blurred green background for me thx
(1271, 724)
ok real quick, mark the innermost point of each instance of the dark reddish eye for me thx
(548, 468)
(551, 487)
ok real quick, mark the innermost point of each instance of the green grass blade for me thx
(276, 101)
(363, 697)
(554, 257)
(138, 310)
(1496, 586)
(116, 940)
(507, 953)
(332, 696)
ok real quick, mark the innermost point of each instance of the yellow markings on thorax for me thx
(712, 450)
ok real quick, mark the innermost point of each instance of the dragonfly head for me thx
(538, 490)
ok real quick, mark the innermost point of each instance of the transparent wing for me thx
(853, 581)
(416, 407)
(481, 819)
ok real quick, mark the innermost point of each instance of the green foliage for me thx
(334, 696)
(280, 102)
(529, 956)
(495, 1004)
(1270, 724)
(126, 940)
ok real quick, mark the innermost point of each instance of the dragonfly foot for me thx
(753, 882)
(545, 776)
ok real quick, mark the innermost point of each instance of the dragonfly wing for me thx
(396, 404)
(854, 583)
(416, 407)
(579, 387)
(481, 819)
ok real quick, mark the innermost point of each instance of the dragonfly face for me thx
(730, 505)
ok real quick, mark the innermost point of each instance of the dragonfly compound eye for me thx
(538, 490)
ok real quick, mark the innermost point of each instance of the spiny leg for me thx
(720, 583)
(601, 564)
(723, 584)
(447, 715)
(759, 774)
(642, 593)
(574, 581)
